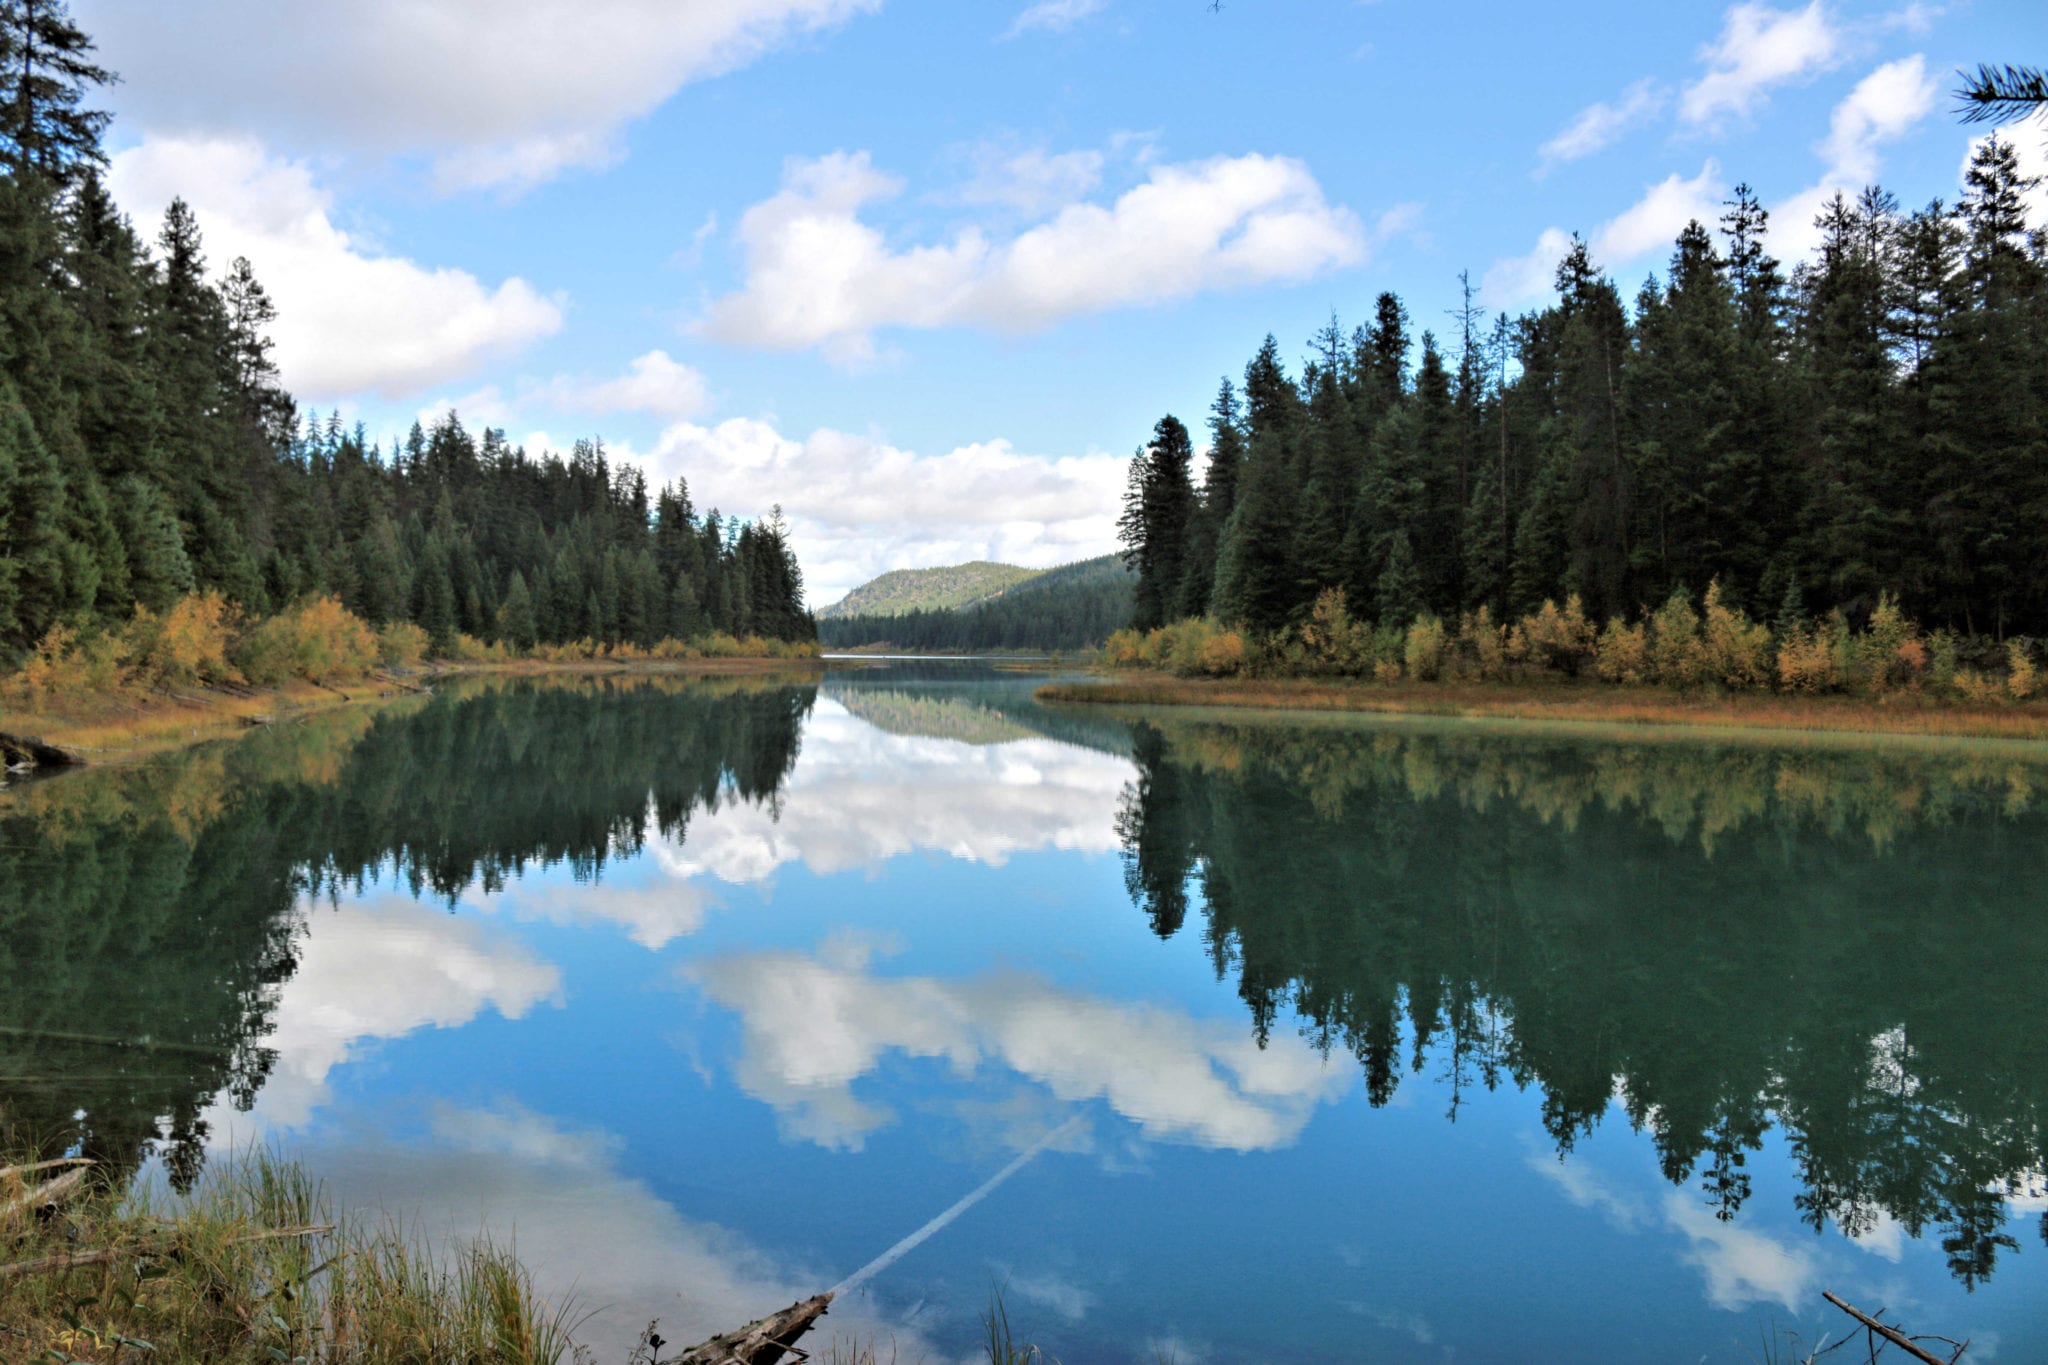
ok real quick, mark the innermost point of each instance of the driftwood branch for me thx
(72, 1260)
(761, 1342)
(1897, 1338)
(49, 1192)
(11, 1171)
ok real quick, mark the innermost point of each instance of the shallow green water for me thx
(1327, 1039)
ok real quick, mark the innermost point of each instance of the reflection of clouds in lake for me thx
(860, 796)
(383, 969)
(652, 915)
(591, 1235)
(1741, 1265)
(1589, 1191)
(814, 1024)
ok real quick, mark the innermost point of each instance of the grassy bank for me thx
(1563, 700)
(201, 670)
(251, 1267)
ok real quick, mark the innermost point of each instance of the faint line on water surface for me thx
(973, 1197)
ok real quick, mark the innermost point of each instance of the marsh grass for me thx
(252, 1267)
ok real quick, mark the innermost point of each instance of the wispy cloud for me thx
(1053, 16)
(1600, 125)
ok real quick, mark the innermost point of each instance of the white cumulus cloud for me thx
(351, 320)
(496, 92)
(654, 383)
(1602, 124)
(1759, 48)
(817, 275)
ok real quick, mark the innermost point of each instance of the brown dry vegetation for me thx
(200, 671)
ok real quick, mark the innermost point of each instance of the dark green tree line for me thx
(147, 448)
(1874, 421)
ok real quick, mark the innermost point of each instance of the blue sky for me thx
(926, 273)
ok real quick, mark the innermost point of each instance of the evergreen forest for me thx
(148, 451)
(1869, 424)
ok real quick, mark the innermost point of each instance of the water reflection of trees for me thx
(149, 915)
(1718, 938)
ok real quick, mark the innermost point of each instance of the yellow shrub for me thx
(1223, 655)
(1336, 642)
(470, 650)
(319, 641)
(1561, 640)
(1977, 689)
(65, 664)
(1424, 647)
(1622, 654)
(1811, 660)
(1737, 650)
(187, 644)
(1386, 671)
(401, 644)
(1876, 661)
(2022, 680)
(1486, 642)
(1677, 656)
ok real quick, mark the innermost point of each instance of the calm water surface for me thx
(1330, 1039)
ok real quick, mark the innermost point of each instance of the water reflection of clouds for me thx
(593, 1237)
(814, 1024)
(1740, 1265)
(383, 969)
(860, 796)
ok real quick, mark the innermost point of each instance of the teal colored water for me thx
(1289, 1039)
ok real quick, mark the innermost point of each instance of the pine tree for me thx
(516, 624)
(47, 72)
(1158, 502)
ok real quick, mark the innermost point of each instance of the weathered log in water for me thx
(24, 751)
(762, 1342)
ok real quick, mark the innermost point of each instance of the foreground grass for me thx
(251, 1267)
(1559, 700)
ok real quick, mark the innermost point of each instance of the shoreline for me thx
(100, 730)
(1573, 704)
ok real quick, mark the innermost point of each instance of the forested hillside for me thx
(1873, 422)
(1075, 606)
(946, 588)
(147, 450)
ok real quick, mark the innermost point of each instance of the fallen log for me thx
(46, 1195)
(1909, 1344)
(71, 1260)
(26, 750)
(761, 1342)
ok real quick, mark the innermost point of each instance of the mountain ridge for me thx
(945, 587)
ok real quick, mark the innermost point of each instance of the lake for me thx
(1201, 1036)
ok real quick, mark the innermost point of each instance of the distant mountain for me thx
(942, 589)
(1074, 606)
